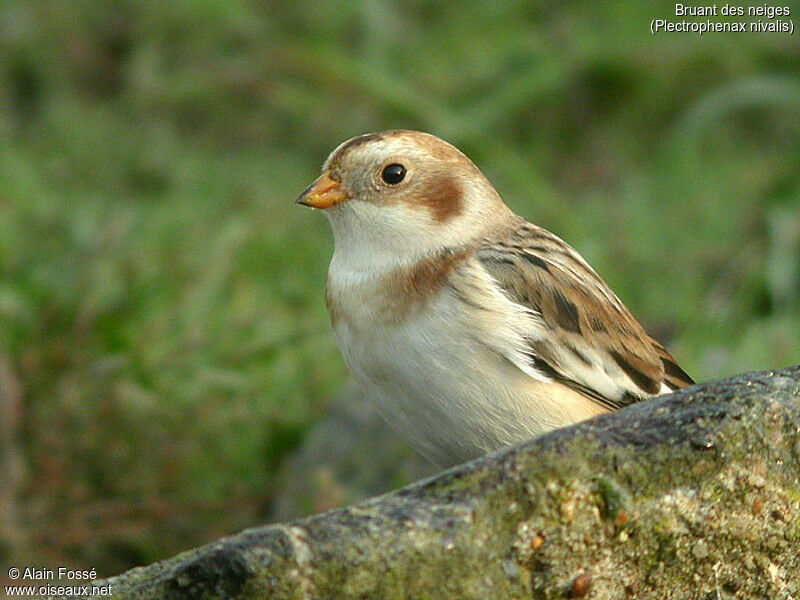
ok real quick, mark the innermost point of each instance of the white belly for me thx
(437, 381)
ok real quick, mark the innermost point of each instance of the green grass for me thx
(161, 304)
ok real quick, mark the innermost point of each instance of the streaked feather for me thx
(591, 342)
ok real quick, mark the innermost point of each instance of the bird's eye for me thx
(393, 174)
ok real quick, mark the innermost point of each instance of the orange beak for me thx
(323, 193)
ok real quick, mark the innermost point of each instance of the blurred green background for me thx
(164, 346)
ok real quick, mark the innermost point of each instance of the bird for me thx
(469, 327)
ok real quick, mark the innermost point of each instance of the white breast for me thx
(440, 375)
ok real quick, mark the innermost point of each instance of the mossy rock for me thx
(691, 495)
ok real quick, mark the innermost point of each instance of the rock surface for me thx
(691, 495)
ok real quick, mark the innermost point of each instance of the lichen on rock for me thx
(691, 495)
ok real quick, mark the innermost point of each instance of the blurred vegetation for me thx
(163, 337)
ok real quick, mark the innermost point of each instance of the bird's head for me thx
(403, 193)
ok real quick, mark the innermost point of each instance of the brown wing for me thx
(591, 342)
(675, 377)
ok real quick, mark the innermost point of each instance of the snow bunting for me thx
(471, 328)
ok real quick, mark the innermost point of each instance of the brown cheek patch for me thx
(443, 197)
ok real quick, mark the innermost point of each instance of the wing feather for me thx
(585, 337)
